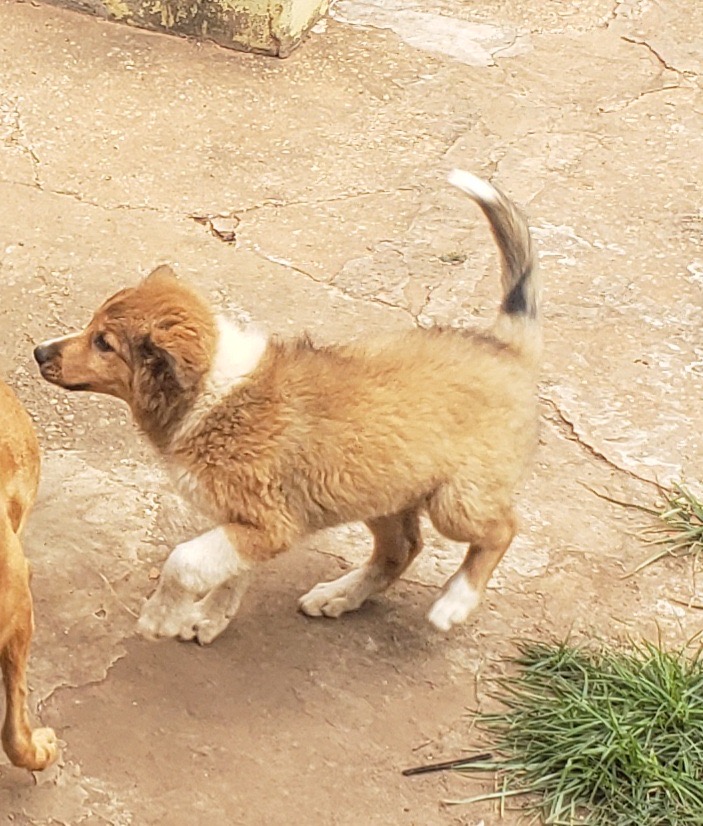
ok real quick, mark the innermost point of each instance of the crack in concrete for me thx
(569, 429)
(537, 194)
(282, 262)
(463, 129)
(429, 289)
(507, 47)
(67, 193)
(76, 196)
(233, 213)
(19, 138)
(35, 164)
(344, 196)
(624, 104)
(42, 701)
(607, 19)
(640, 41)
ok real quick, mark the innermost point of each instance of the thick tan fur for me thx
(438, 420)
(19, 475)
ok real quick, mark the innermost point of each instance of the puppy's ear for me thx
(154, 365)
(162, 274)
(174, 352)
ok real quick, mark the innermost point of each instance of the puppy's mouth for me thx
(81, 386)
(52, 373)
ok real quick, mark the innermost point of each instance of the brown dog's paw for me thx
(44, 750)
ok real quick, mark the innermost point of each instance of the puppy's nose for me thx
(44, 353)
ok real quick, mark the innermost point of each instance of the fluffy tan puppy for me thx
(19, 476)
(276, 439)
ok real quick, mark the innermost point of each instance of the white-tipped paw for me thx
(455, 605)
(192, 625)
(174, 613)
(184, 622)
(332, 599)
(46, 749)
(35, 754)
(202, 629)
(326, 601)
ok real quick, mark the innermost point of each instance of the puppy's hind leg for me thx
(489, 533)
(397, 541)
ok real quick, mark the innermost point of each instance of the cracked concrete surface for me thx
(310, 194)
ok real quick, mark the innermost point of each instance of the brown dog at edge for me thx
(19, 477)
(274, 440)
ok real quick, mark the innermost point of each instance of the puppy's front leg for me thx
(201, 586)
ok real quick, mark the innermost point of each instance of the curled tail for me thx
(518, 322)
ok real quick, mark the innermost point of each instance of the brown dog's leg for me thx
(397, 541)
(489, 530)
(33, 750)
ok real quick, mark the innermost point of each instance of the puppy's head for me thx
(147, 345)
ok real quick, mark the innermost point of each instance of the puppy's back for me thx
(384, 422)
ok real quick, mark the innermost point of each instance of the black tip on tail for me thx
(516, 302)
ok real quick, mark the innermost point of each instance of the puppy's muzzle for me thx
(45, 353)
(48, 357)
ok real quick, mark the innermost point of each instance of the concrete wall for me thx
(273, 27)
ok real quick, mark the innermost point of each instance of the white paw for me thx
(204, 629)
(455, 604)
(208, 630)
(332, 599)
(189, 624)
(46, 749)
(156, 623)
(172, 612)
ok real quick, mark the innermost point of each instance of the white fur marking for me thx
(51, 341)
(474, 186)
(203, 563)
(456, 603)
(237, 354)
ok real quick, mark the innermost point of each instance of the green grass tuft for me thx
(678, 531)
(606, 738)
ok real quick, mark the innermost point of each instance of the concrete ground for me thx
(310, 194)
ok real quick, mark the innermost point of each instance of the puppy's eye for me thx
(101, 344)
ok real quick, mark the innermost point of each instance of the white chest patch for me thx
(237, 354)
